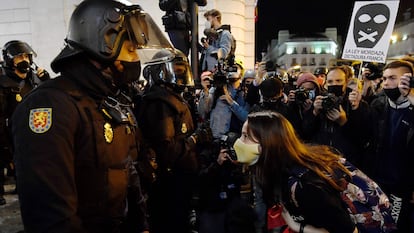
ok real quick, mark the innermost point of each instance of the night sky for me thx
(301, 17)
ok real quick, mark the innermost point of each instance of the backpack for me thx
(363, 199)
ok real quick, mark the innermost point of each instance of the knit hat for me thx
(271, 87)
(306, 77)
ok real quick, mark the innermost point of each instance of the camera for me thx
(329, 102)
(411, 82)
(225, 144)
(374, 76)
(301, 95)
(224, 72)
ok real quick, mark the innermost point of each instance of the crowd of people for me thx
(98, 150)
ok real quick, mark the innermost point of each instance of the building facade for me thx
(305, 51)
(402, 41)
(44, 23)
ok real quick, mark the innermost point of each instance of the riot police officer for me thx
(17, 78)
(168, 130)
(75, 136)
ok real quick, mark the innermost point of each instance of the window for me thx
(304, 63)
(312, 62)
(304, 50)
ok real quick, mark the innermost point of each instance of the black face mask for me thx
(336, 90)
(23, 67)
(131, 73)
(393, 93)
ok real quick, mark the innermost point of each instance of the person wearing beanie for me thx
(307, 89)
(307, 77)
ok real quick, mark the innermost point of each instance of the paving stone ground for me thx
(10, 220)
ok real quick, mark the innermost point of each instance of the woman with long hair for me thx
(271, 137)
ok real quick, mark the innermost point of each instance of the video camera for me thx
(223, 72)
(330, 101)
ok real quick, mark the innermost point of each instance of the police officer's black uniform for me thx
(168, 129)
(91, 153)
(12, 91)
(75, 136)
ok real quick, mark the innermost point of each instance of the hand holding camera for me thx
(226, 147)
(203, 134)
(337, 115)
(406, 84)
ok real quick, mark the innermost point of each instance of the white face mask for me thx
(246, 153)
(207, 25)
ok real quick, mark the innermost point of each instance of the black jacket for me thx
(350, 139)
(390, 153)
(12, 91)
(74, 163)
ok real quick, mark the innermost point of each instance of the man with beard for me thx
(17, 78)
(76, 136)
(393, 143)
(339, 117)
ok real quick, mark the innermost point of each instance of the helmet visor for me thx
(177, 72)
(143, 32)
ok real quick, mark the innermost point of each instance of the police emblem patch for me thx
(184, 128)
(18, 98)
(40, 119)
(108, 132)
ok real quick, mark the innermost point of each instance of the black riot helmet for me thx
(98, 28)
(321, 70)
(171, 67)
(14, 48)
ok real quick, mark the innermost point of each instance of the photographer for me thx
(301, 99)
(222, 180)
(225, 102)
(339, 119)
(307, 89)
(218, 44)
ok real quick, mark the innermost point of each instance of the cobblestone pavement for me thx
(10, 220)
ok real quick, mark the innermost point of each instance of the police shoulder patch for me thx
(40, 119)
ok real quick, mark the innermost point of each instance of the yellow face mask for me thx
(246, 153)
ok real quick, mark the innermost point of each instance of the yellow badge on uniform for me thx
(40, 119)
(108, 133)
(184, 128)
(18, 98)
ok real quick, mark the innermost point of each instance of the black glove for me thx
(203, 135)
